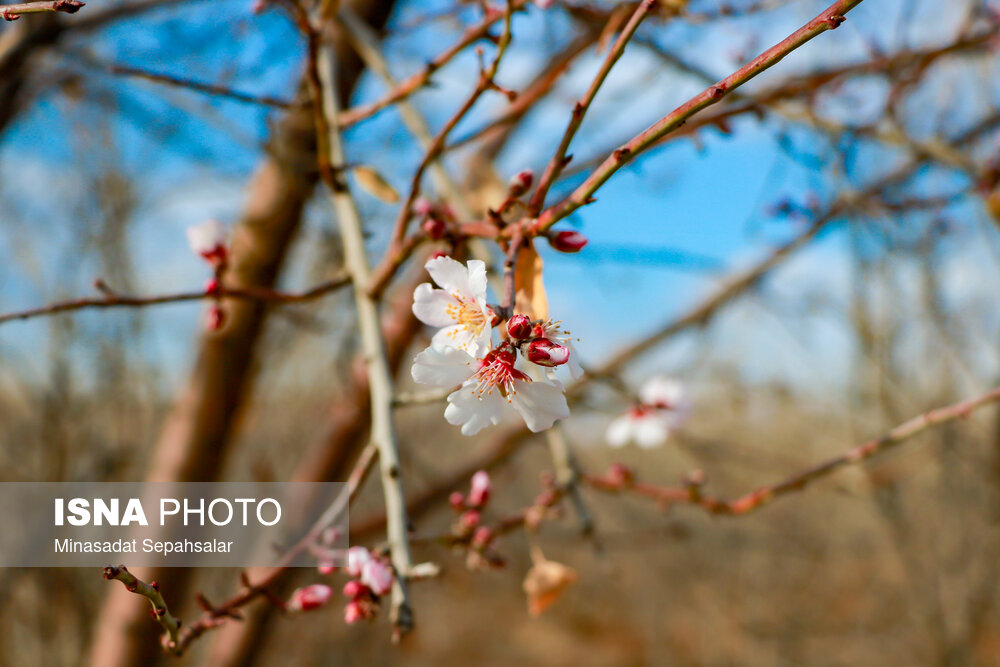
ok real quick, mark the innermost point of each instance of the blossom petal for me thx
(662, 391)
(457, 336)
(650, 432)
(442, 367)
(451, 275)
(619, 431)
(431, 305)
(540, 404)
(472, 410)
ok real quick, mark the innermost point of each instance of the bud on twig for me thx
(544, 352)
(519, 327)
(309, 597)
(567, 241)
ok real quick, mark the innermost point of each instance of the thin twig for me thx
(151, 591)
(559, 158)
(14, 12)
(111, 299)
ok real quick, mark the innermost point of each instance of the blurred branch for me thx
(620, 479)
(170, 624)
(14, 12)
(188, 84)
(113, 299)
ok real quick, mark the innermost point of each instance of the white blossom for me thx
(487, 386)
(459, 307)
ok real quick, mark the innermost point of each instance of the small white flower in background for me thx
(487, 386)
(459, 308)
(663, 407)
(665, 393)
(208, 240)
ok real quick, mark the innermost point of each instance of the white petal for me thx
(477, 280)
(474, 411)
(659, 390)
(619, 431)
(206, 237)
(442, 367)
(540, 404)
(457, 336)
(449, 274)
(431, 305)
(650, 432)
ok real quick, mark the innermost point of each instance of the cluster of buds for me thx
(530, 336)
(371, 578)
(208, 241)
(468, 528)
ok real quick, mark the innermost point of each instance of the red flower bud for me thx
(354, 588)
(309, 597)
(567, 241)
(470, 519)
(353, 613)
(435, 228)
(215, 318)
(482, 537)
(519, 327)
(520, 182)
(212, 286)
(544, 352)
(456, 500)
(438, 253)
(480, 491)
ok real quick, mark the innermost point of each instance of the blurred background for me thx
(871, 155)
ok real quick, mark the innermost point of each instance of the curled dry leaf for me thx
(545, 582)
(374, 184)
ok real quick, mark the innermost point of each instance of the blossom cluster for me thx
(517, 371)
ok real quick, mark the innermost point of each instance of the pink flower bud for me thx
(422, 206)
(309, 597)
(482, 537)
(209, 241)
(215, 318)
(354, 588)
(544, 352)
(470, 519)
(519, 327)
(480, 491)
(567, 241)
(376, 576)
(212, 286)
(353, 613)
(520, 182)
(356, 559)
(326, 568)
(457, 501)
(435, 228)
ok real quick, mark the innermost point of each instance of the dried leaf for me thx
(545, 582)
(529, 289)
(372, 182)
